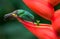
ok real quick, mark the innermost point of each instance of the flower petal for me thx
(54, 2)
(42, 8)
(44, 31)
(56, 20)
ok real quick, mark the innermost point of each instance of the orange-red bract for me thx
(43, 31)
(56, 20)
(42, 8)
(54, 2)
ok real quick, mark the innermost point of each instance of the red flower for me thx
(43, 31)
(45, 9)
(56, 19)
(56, 22)
(42, 8)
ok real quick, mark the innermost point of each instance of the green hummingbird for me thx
(20, 13)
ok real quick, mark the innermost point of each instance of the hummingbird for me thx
(20, 13)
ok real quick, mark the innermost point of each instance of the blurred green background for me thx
(12, 29)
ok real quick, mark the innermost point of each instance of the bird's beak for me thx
(10, 15)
